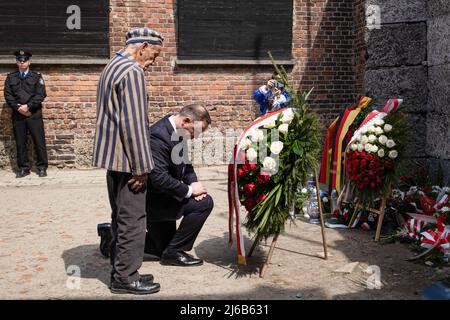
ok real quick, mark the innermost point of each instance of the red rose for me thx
(252, 166)
(363, 163)
(372, 185)
(373, 165)
(262, 178)
(360, 186)
(379, 180)
(388, 164)
(369, 157)
(249, 204)
(240, 173)
(261, 198)
(249, 188)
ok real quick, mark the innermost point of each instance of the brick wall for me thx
(323, 50)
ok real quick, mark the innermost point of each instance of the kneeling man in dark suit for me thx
(173, 189)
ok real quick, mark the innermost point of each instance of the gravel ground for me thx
(48, 232)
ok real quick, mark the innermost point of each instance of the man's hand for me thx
(200, 197)
(270, 83)
(23, 109)
(198, 189)
(137, 183)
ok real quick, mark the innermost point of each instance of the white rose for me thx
(378, 131)
(363, 130)
(368, 147)
(360, 147)
(288, 116)
(353, 146)
(325, 199)
(364, 140)
(372, 138)
(390, 143)
(387, 127)
(283, 128)
(382, 139)
(257, 135)
(393, 154)
(251, 155)
(371, 129)
(276, 147)
(381, 153)
(270, 125)
(304, 190)
(374, 149)
(379, 122)
(269, 164)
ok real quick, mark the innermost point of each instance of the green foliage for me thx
(298, 158)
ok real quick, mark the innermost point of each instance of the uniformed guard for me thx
(24, 93)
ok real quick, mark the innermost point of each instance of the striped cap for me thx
(143, 35)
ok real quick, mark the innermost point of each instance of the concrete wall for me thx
(408, 57)
(438, 117)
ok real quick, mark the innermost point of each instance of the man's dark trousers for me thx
(128, 227)
(35, 126)
(162, 235)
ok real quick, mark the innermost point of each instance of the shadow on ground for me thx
(89, 260)
(217, 251)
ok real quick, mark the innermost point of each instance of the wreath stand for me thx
(275, 238)
(379, 211)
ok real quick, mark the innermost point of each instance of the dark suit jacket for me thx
(168, 181)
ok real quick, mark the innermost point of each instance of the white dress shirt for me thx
(172, 122)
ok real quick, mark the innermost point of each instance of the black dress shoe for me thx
(22, 173)
(179, 258)
(151, 257)
(148, 278)
(139, 286)
(104, 231)
(42, 173)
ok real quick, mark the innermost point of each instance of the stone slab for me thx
(399, 10)
(396, 45)
(438, 135)
(439, 89)
(408, 83)
(439, 40)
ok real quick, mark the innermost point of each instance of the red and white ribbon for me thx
(414, 227)
(436, 238)
(392, 105)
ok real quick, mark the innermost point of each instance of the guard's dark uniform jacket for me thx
(28, 90)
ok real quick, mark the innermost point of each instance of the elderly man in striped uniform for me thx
(122, 147)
